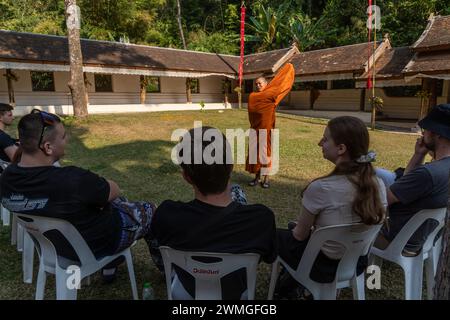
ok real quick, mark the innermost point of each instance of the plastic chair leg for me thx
(27, 258)
(375, 260)
(273, 279)
(436, 253)
(41, 279)
(326, 292)
(413, 279)
(14, 230)
(429, 272)
(20, 235)
(130, 267)
(358, 284)
(6, 216)
(62, 290)
(88, 281)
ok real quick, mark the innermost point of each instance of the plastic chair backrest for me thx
(37, 226)
(207, 275)
(357, 240)
(398, 243)
(4, 164)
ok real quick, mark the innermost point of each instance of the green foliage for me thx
(348, 19)
(214, 42)
(406, 20)
(213, 25)
(307, 33)
(268, 25)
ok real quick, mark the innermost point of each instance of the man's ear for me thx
(342, 148)
(47, 148)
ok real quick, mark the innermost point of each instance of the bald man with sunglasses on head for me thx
(92, 204)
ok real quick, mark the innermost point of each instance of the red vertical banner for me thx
(241, 63)
(369, 26)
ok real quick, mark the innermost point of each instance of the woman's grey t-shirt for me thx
(331, 199)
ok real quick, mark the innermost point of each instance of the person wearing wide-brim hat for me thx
(423, 186)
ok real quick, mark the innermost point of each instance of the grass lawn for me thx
(134, 150)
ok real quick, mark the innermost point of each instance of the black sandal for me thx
(265, 185)
(254, 182)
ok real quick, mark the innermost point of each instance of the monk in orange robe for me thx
(261, 114)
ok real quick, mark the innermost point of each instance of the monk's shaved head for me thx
(261, 83)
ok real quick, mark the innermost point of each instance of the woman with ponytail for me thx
(351, 193)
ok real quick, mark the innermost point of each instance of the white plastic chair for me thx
(356, 238)
(413, 266)
(207, 284)
(437, 250)
(25, 245)
(23, 241)
(50, 262)
(5, 215)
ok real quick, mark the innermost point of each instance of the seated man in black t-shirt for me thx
(89, 202)
(422, 186)
(8, 145)
(214, 221)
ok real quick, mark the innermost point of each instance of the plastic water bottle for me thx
(147, 292)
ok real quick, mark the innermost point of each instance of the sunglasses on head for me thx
(47, 120)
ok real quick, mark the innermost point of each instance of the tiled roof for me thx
(436, 36)
(351, 58)
(267, 61)
(392, 63)
(39, 48)
(431, 63)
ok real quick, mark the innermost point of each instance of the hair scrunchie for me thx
(366, 158)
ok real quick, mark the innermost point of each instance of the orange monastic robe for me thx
(261, 110)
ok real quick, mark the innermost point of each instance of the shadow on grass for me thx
(144, 171)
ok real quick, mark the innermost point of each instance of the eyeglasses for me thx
(47, 120)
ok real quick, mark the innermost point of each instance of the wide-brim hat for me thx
(438, 120)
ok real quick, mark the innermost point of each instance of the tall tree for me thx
(180, 25)
(76, 83)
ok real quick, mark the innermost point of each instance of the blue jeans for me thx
(387, 176)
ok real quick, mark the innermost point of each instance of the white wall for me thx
(125, 93)
(91, 84)
(173, 85)
(61, 80)
(3, 83)
(125, 83)
(349, 100)
(345, 99)
(299, 100)
(24, 81)
(211, 85)
(398, 107)
(123, 108)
